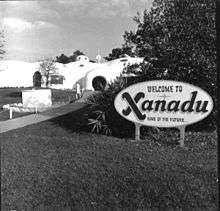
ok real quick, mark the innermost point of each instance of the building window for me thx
(57, 79)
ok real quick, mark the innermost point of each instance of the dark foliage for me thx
(62, 59)
(2, 51)
(178, 39)
(67, 59)
(103, 118)
(119, 52)
(181, 35)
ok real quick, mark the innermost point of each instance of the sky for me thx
(37, 29)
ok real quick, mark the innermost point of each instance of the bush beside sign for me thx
(163, 103)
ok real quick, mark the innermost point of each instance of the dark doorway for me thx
(99, 83)
(37, 79)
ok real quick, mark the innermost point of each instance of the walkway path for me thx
(35, 118)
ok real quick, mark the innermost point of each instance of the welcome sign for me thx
(163, 103)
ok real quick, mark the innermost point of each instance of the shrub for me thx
(103, 117)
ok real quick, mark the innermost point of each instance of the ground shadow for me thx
(14, 94)
(75, 121)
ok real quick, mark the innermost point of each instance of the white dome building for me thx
(90, 75)
(82, 58)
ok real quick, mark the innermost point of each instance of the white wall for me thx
(20, 74)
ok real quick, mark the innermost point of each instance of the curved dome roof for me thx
(82, 58)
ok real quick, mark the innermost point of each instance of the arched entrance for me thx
(37, 79)
(99, 83)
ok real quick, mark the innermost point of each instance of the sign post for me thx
(10, 113)
(163, 103)
(137, 131)
(182, 135)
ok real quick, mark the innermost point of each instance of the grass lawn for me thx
(52, 164)
(14, 95)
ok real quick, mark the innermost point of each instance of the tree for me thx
(62, 59)
(67, 59)
(118, 52)
(2, 51)
(181, 34)
(74, 55)
(47, 68)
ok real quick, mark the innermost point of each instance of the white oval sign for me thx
(163, 103)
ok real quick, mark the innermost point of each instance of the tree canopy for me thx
(67, 59)
(181, 35)
(2, 51)
(118, 52)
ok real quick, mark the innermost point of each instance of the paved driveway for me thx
(40, 117)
